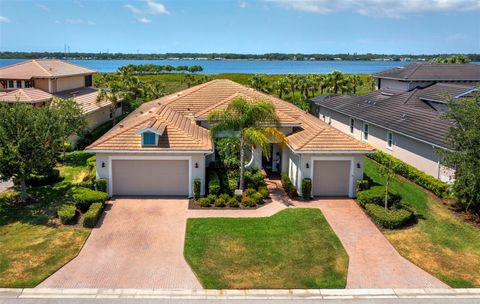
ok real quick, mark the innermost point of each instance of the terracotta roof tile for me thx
(27, 95)
(42, 68)
(85, 97)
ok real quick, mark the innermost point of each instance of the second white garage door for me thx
(331, 178)
(150, 177)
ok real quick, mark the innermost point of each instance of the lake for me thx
(245, 66)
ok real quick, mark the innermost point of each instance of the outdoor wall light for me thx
(103, 165)
(196, 165)
(307, 165)
(358, 165)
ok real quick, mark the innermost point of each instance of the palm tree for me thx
(258, 82)
(337, 82)
(154, 90)
(113, 93)
(355, 82)
(256, 123)
(292, 81)
(190, 80)
(281, 87)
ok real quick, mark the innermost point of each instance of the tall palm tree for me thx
(355, 82)
(256, 123)
(154, 90)
(114, 94)
(258, 82)
(337, 82)
(292, 81)
(281, 87)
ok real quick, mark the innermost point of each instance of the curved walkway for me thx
(373, 261)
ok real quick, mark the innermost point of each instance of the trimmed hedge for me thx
(288, 186)
(306, 188)
(362, 185)
(85, 197)
(213, 183)
(390, 219)
(90, 218)
(92, 162)
(428, 182)
(66, 213)
(100, 184)
(197, 184)
(376, 195)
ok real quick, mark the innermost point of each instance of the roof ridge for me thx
(14, 64)
(38, 64)
(234, 95)
(410, 95)
(177, 95)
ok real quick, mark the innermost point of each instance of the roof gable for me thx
(43, 68)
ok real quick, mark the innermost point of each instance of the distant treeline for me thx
(213, 56)
(148, 69)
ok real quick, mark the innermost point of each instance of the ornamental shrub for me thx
(66, 213)
(92, 162)
(232, 184)
(90, 218)
(211, 199)
(224, 196)
(101, 184)
(232, 202)
(219, 202)
(376, 195)
(254, 178)
(361, 185)
(306, 188)
(422, 179)
(264, 192)
(197, 184)
(85, 197)
(249, 192)
(390, 219)
(213, 183)
(35, 180)
(288, 186)
(248, 202)
(257, 198)
(204, 202)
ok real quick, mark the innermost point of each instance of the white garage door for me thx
(331, 178)
(150, 177)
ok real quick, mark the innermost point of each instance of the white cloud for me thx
(144, 20)
(380, 8)
(133, 9)
(156, 8)
(4, 19)
(78, 22)
(42, 7)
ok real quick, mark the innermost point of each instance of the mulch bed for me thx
(193, 204)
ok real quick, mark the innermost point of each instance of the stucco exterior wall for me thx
(103, 163)
(42, 84)
(421, 155)
(100, 116)
(68, 83)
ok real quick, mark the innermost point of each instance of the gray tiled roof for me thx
(403, 112)
(432, 72)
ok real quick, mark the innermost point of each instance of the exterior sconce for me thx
(358, 165)
(307, 165)
(196, 165)
(103, 164)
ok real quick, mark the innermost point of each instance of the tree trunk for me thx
(242, 163)
(386, 194)
(23, 190)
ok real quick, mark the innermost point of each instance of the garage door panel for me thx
(150, 177)
(331, 178)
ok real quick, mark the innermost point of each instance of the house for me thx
(405, 124)
(422, 74)
(37, 81)
(164, 145)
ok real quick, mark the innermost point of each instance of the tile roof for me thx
(180, 110)
(27, 95)
(42, 68)
(432, 72)
(86, 97)
(403, 112)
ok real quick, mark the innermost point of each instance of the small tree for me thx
(389, 174)
(112, 92)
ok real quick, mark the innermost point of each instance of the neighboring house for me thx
(408, 125)
(37, 81)
(415, 75)
(164, 145)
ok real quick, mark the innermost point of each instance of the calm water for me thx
(244, 66)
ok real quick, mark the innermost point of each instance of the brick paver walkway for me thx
(373, 261)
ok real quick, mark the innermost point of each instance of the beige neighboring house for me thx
(404, 116)
(37, 81)
(164, 145)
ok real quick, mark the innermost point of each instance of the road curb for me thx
(201, 294)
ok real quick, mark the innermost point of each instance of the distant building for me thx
(404, 116)
(37, 81)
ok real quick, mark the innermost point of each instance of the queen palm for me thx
(281, 87)
(355, 82)
(255, 123)
(292, 81)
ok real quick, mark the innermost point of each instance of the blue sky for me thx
(246, 26)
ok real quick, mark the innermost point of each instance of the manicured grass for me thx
(31, 248)
(295, 248)
(440, 243)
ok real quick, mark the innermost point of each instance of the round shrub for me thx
(232, 203)
(390, 219)
(224, 196)
(85, 197)
(238, 197)
(376, 195)
(249, 192)
(204, 202)
(362, 185)
(91, 162)
(257, 198)
(91, 217)
(66, 213)
(211, 199)
(248, 202)
(264, 192)
(101, 184)
(219, 202)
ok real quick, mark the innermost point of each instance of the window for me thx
(352, 125)
(149, 139)
(88, 81)
(10, 84)
(29, 83)
(19, 84)
(389, 140)
(365, 131)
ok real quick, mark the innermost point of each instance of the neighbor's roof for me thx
(85, 97)
(180, 111)
(432, 72)
(408, 113)
(42, 68)
(27, 95)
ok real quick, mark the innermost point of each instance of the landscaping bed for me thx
(440, 242)
(295, 248)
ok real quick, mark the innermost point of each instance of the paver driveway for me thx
(139, 244)
(373, 261)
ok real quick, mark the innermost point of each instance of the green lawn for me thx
(295, 248)
(31, 248)
(440, 243)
